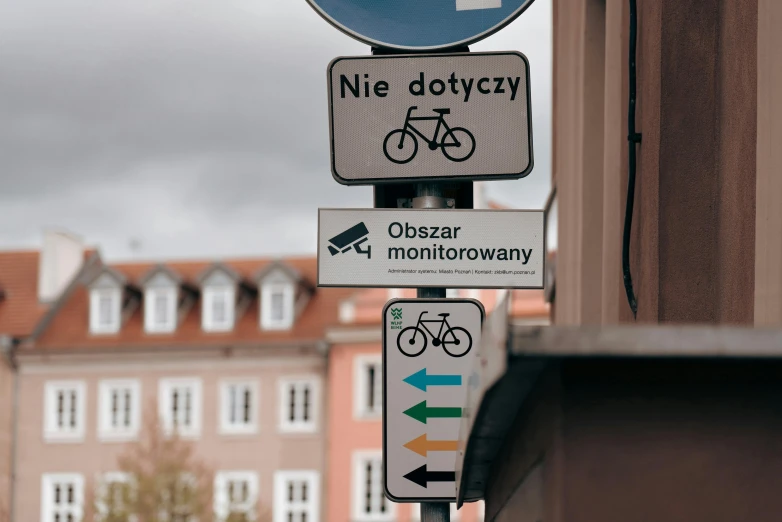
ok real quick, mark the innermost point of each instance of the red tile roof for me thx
(69, 328)
(19, 308)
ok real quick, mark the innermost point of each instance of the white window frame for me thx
(151, 296)
(299, 426)
(268, 322)
(48, 481)
(472, 294)
(361, 409)
(208, 322)
(358, 483)
(165, 388)
(53, 433)
(452, 293)
(96, 295)
(222, 502)
(226, 427)
(103, 480)
(107, 432)
(282, 499)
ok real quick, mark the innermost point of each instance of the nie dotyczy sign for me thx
(430, 117)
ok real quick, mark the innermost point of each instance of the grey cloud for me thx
(199, 126)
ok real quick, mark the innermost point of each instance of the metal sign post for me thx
(427, 355)
(430, 195)
(381, 109)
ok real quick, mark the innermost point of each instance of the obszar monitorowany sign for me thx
(431, 248)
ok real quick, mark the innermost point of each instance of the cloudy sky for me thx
(182, 128)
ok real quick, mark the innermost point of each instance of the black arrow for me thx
(421, 477)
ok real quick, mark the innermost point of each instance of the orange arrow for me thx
(422, 446)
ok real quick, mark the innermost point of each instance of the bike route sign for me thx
(430, 117)
(431, 248)
(429, 348)
(419, 24)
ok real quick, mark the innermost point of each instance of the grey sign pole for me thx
(435, 512)
(431, 195)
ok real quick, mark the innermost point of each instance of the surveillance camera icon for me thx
(351, 238)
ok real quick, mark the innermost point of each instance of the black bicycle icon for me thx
(401, 145)
(411, 344)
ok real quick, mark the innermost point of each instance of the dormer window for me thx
(161, 295)
(219, 287)
(105, 310)
(218, 308)
(160, 310)
(277, 306)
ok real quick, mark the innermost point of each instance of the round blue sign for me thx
(419, 25)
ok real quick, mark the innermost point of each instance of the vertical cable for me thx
(633, 138)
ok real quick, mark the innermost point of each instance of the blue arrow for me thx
(421, 380)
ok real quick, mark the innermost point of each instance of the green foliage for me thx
(167, 482)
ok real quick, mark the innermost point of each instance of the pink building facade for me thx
(230, 354)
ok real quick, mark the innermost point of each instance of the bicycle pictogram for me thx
(412, 341)
(401, 145)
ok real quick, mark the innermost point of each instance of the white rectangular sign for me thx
(431, 248)
(442, 116)
(429, 348)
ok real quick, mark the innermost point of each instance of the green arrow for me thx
(420, 412)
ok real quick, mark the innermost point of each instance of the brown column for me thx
(694, 248)
(768, 244)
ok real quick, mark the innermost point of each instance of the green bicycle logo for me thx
(396, 313)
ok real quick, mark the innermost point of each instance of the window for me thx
(296, 496)
(369, 500)
(218, 309)
(160, 310)
(105, 310)
(239, 410)
(64, 411)
(235, 493)
(276, 306)
(368, 379)
(114, 493)
(298, 405)
(62, 497)
(180, 406)
(118, 409)
(472, 294)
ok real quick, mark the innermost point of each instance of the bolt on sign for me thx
(431, 248)
(430, 117)
(429, 348)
